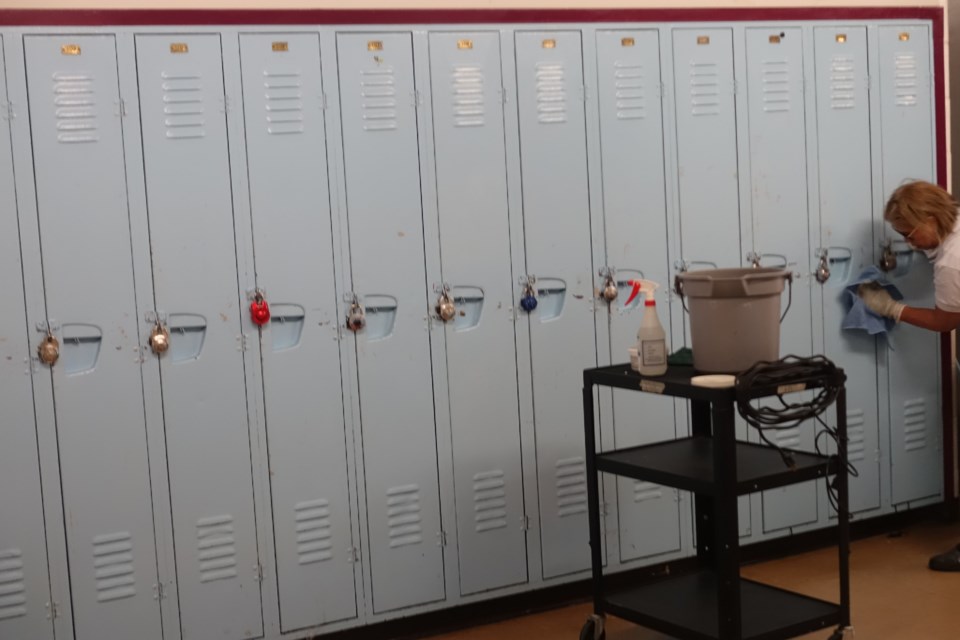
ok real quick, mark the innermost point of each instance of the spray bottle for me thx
(651, 339)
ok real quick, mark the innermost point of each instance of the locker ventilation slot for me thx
(284, 102)
(183, 108)
(704, 89)
(855, 435)
(906, 79)
(313, 531)
(643, 491)
(76, 107)
(113, 564)
(571, 487)
(551, 93)
(776, 86)
(915, 424)
(468, 96)
(403, 516)
(489, 500)
(789, 438)
(216, 553)
(13, 599)
(379, 92)
(842, 83)
(629, 85)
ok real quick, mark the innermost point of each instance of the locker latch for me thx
(446, 309)
(609, 289)
(53, 610)
(441, 538)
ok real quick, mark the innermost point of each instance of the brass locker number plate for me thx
(70, 49)
(281, 46)
(179, 47)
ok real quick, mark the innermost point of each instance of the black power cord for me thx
(765, 417)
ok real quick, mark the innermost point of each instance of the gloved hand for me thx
(879, 301)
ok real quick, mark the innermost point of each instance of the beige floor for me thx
(893, 595)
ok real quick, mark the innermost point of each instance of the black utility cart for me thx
(713, 601)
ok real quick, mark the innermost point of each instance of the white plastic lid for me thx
(714, 381)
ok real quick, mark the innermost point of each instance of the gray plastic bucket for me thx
(734, 316)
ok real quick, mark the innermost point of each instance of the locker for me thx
(480, 344)
(913, 353)
(189, 202)
(778, 176)
(635, 215)
(24, 582)
(287, 163)
(556, 214)
(381, 157)
(707, 147)
(707, 169)
(82, 207)
(846, 241)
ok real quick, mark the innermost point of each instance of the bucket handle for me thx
(682, 266)
(789, 274)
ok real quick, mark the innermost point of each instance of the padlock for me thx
(445, 307)
(159, 339)
(610, 290)
(49, 350)
(888, 259)
(528, 302)
(356, 318)
(259, 310)
(823, 269)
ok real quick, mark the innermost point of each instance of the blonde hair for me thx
(912, 203)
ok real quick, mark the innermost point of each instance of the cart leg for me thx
(726, 542)
(704, 509)
(593, 500)
(843, 516)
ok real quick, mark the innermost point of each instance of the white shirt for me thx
(946, 271)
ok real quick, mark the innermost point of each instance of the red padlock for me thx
(259, 311)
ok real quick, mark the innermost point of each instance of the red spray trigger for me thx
(636, 284)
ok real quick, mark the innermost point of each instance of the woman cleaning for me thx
(926, 216)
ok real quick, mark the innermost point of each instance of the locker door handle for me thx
(469, 301)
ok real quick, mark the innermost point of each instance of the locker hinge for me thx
(417, 98)
(6, 111)
(525, 523)
(441, 538)
(736, 87)
(869, 80)
(121, 108)
(324, 101)
(159, 591)
(503, 95)
(604, 509)
(227, 104)
(584, 93)
(53, 610)
(242, 342)
(258, 572)
(353, 555)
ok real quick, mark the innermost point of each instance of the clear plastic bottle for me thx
(651, 338)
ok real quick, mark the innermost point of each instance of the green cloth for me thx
(682, 357)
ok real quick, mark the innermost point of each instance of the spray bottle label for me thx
(653, 352)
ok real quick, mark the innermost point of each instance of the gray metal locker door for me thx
(556, 212)
(707, 147)
(381, 155)
(635, 215)
(778, 176)
(914, 354)
(843, 140)
(24, 582)
(475, 257)
(195, 279)
(88, 272)
(707, 167)
(287, 163)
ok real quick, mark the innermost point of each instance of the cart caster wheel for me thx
(593, 629)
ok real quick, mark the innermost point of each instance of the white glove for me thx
(879, 301)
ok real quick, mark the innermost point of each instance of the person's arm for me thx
(932, 319)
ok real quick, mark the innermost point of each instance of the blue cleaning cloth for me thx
(858, 315)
